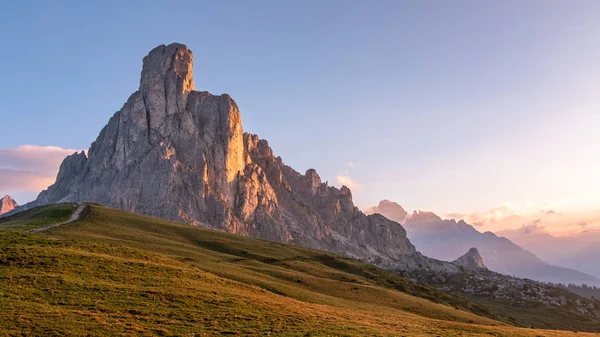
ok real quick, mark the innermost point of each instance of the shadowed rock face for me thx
(179, 154)
(471, 260)
(7, 204)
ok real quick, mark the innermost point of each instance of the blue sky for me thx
(449, 106)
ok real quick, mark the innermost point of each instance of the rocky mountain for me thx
(471, 260)
(7, 204)
(180, 154)
(444, 239)
(390, 209)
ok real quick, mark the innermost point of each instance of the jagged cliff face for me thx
(170, 151)
(179, 154)
(322, 216)
(7, 204)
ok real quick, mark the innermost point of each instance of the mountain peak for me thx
(7, 198)
(386, 202)
(390, 210)
(166, 81)
(174, 60)
(7, 204)
(425, 217)
(180, 154)
(471, 260)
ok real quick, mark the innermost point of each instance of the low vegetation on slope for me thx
(116, 272)
(38, 217)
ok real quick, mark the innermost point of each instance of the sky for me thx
(451, 107)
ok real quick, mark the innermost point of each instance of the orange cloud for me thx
(30, 167)
(529, 219)
(347, 181)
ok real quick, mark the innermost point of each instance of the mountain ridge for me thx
(446, 238)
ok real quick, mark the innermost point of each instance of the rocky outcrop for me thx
(471, 260)
(180, 154)
(7, 204)
(508, 290)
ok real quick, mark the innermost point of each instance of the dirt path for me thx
(74, 217)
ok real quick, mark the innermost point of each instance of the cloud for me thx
(29, 167)
(534, 228)
(492, 218)
(527, 219)
(347, 181)
(477, 224)
(351, 164)
(456, 215)
(473, 219)
(509, 216)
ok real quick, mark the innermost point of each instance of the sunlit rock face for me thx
(169, 152)
(7, 204)
(180, 154)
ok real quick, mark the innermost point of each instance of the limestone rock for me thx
(471, 260)
(180, 154)
(7, 204)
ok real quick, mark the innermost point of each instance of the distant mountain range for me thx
(446, 239)
(587, 258)
(7, 204)
(580, 251)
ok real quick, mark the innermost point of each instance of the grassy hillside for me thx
(37, 217)
(116, 272)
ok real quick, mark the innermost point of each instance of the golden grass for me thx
(119, 273)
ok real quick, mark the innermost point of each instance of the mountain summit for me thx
(180, 154)
(7, 204)
(471, 260)
(390, 210)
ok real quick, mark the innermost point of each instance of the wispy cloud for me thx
(347, 181)
(534, 228)
(29, 168)
(351, 164)
(530, 219)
